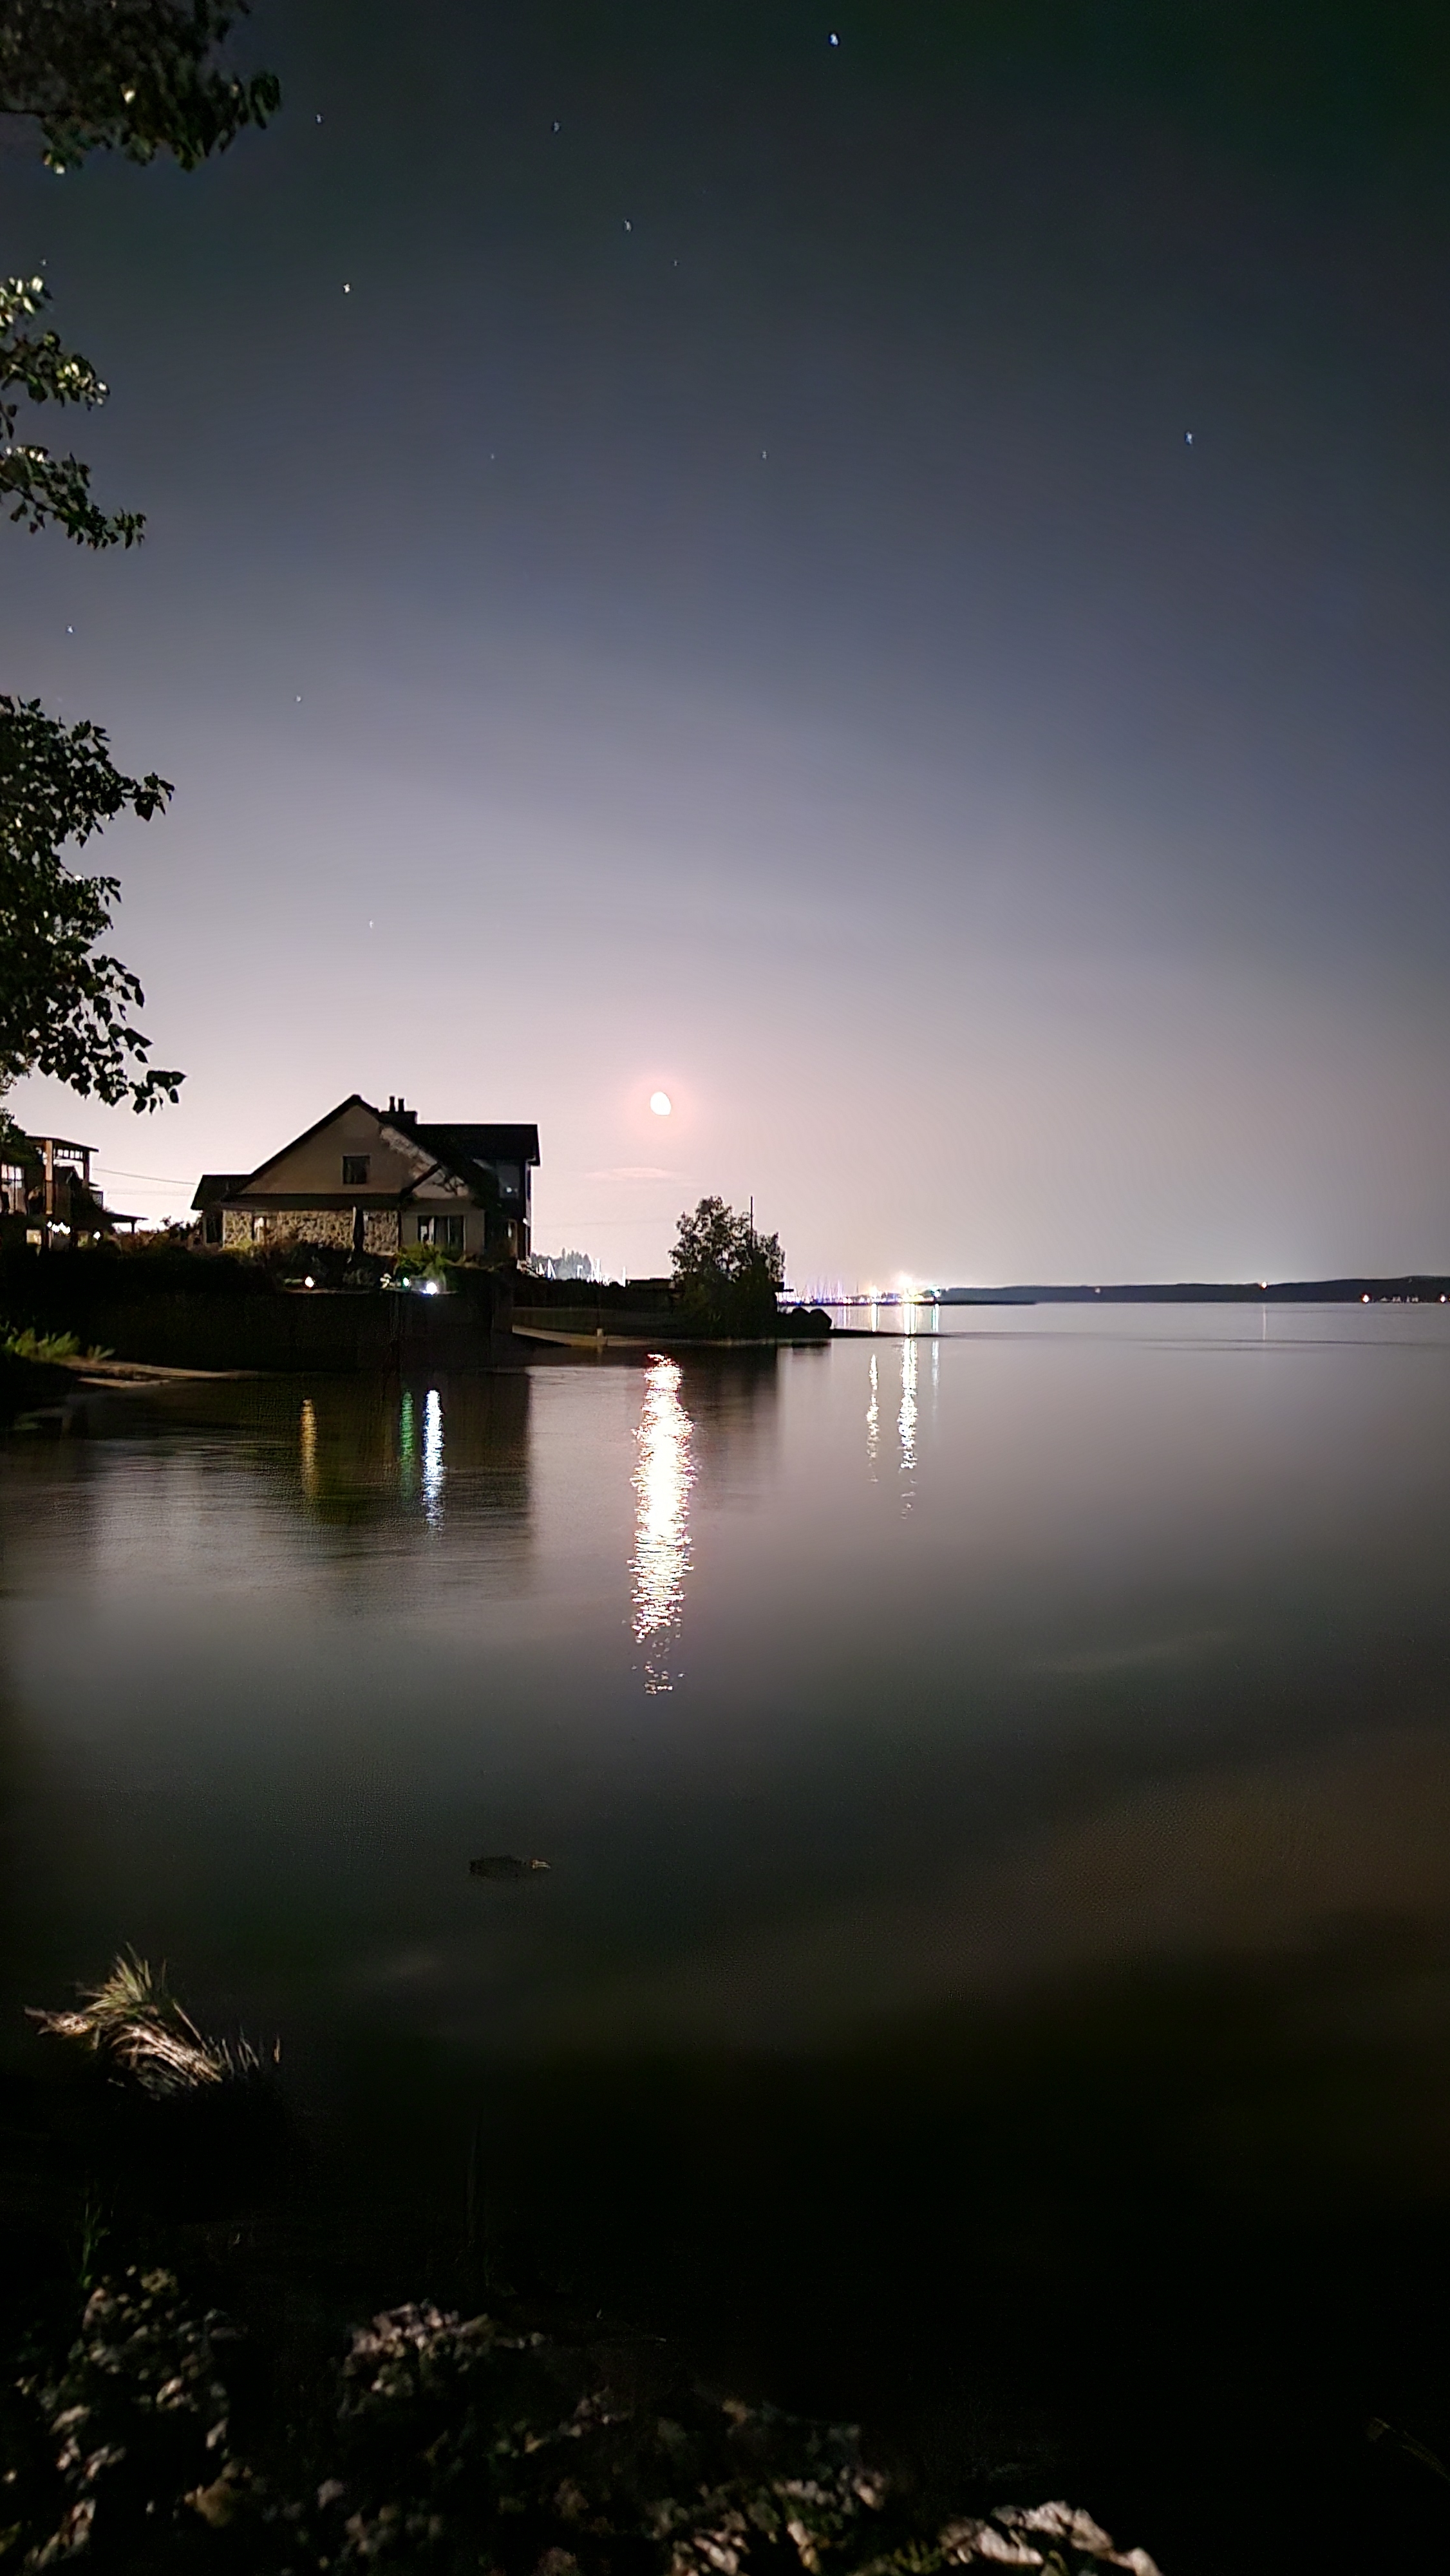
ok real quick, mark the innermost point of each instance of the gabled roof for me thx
(491, 1142)
(465, 1152)
(354, 1100)
(216, 1185)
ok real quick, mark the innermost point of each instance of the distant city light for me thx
(661, 1103)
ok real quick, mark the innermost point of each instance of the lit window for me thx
(355, 1171)
(446, 1231)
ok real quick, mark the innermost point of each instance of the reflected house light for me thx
(664, 1472)
(307, 1447)
(433, 1457)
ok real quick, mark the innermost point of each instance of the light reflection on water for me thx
(906, 1424)
(433, 1468)
(663, 1475)
(307, 1449)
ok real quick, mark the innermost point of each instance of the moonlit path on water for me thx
(662, 1480)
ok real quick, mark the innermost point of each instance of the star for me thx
(1188, 438)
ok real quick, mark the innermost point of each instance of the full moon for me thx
(661, 1103)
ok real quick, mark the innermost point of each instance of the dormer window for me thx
(355, 1171)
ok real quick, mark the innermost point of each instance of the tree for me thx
(64, 1007)
(132, 76)
(729, 1275)
(139, 77)
(48, 490)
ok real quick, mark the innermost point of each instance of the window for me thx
(355, 1171)
(508, 1179)
(259, 1229)
(446, 1231)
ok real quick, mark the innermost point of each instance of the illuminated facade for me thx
(377, 1180)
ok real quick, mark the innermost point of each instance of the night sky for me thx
(883, 568)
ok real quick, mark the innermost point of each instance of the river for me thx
(992, 1973)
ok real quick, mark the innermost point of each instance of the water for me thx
(993, 1972)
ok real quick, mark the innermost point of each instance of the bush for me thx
(729, 1277)
(45, 1347)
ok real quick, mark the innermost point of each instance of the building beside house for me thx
(377, 1180)
(47, 1194)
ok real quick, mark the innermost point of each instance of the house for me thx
(47, 1194)
(377, 1180)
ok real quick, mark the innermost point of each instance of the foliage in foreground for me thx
(729, 1275)
(43, 1347)
(138, 77)
(446, 2444)
(64, 1006)
(132, 76)
(45, 489)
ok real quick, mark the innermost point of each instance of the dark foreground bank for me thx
(215, 2364)
(309, 1308)
(195, 2384)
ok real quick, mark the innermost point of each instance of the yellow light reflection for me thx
(307, 1446)
(664, 1472)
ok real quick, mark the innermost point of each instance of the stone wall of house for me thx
(312, 1225)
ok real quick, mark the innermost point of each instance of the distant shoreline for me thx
(1415, 1288)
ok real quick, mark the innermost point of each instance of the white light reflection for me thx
(873, 1418)
(433, 1469)
(906, 1424)
(664, 1472)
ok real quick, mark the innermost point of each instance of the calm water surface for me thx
(994, 1964)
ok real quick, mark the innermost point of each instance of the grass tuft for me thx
(133, 2019)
